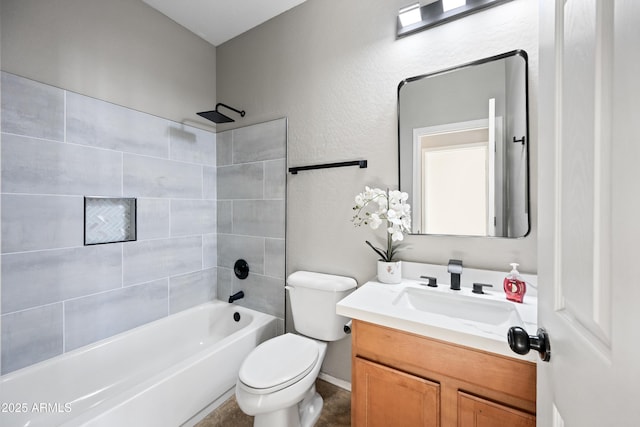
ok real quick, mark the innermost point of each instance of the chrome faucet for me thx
(455, 268)
(236, 296)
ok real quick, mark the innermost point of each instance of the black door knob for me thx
(521, 342)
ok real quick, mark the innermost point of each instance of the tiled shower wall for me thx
(58, 146)
(251, 214)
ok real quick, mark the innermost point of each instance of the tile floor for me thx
(336, 411)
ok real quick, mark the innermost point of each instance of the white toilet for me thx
(276, 382)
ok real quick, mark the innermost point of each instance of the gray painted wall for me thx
(333, 67)
(121, 51)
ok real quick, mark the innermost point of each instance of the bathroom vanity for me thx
(406, 379)
(434, 357)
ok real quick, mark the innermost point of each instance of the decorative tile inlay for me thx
(109, 220)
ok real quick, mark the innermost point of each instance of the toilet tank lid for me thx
(326, 282)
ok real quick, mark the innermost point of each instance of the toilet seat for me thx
(279, 362)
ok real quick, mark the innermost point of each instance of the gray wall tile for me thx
(224, 283)
(225, 216)
(153, 218)
(209, 250)
(262, 293)
(224, 148)
(275, 177)
(45, 167)
(264, 141)
(233, 247)
(274, 258)
(241, 181)
(98, 123)
(31, 336)
(259, 218)
(148, 260)
(150, 177)
(193, 217)
(30, 279)
(189, 144)
(192, 289)
(32, 108)
(209, 183)
(96, 317)
(41, 222)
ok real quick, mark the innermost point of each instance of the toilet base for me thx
(289, 417)
(304, 414)
(310, 408)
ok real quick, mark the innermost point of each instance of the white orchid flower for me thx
(374, 206)
(374, 221)
(397, 236)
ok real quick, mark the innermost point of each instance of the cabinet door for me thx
(476, 412)
(384, 397)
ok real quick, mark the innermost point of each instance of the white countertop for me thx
(373, 302)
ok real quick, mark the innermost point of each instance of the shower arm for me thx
(220, 104)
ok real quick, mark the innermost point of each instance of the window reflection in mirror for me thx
(463, 147)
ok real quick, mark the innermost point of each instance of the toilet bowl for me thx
(276, 382)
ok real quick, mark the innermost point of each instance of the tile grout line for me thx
(122, 180)
(64, 327)
(64, 116)
(168, 296)
(155, 239)
(95, 147)
(122, 262)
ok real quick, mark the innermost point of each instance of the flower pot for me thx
(390, 272)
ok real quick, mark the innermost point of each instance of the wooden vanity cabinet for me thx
(403, 379)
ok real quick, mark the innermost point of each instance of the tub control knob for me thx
(241, 269)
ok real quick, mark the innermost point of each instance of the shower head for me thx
(217, 117)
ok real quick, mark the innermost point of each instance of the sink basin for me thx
(460, 311)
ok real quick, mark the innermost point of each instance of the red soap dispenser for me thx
(514, 286)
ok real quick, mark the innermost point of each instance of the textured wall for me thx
(122, 51)
(58, 146)
(251, 214)
(332, 67)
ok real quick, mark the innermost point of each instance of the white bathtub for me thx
(160, 374)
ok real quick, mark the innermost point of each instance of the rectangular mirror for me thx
(463, 136)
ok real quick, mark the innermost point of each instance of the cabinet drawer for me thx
(474, 411)
(433, 359)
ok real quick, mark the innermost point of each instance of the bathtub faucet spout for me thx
(236, 296)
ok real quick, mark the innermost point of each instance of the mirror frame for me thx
(517, 52)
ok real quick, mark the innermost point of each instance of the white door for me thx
(589, 212)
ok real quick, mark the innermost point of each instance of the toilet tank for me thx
(313, 299)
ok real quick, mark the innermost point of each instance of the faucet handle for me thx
(477, 287)
(432, 281)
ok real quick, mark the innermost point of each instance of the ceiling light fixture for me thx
(410, 15)
(415, 18)
(448, 5)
